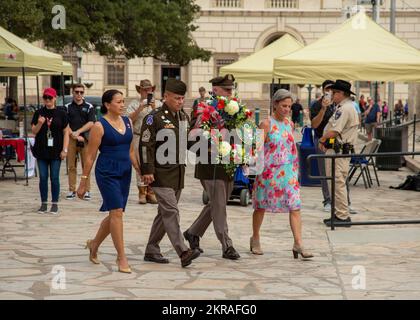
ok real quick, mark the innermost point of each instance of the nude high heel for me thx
(92, 259)
(123, 270)
(300, 250)
(255, 246)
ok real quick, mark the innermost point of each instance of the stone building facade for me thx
(233, 29)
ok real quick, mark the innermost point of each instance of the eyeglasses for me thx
(79, 92)
(47, 97)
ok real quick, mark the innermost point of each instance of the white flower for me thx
(224, 148)
(232, 108)
(206, 134)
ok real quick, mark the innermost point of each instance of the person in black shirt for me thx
(50, 126)
(297, 109)
(320, 113)
(81, 116)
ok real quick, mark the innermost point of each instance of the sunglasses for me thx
(45, 97)
(79, 92)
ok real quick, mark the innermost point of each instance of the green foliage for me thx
(143, 28)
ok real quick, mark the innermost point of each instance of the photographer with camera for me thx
(340, 136)
(81, 115)
(137, 111)
(320, 113)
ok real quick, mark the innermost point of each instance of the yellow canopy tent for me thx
(66, 69)
(258, 67)
(359, 50)
(18, 53)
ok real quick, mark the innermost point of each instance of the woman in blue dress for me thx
(112, 135)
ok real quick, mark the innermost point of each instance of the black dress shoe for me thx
(231, 254)
(337, 222)
(193, 240)
(155, 258)
(188, 256)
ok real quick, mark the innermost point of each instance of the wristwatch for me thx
(65, 150)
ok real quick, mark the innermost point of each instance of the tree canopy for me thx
(134, 28)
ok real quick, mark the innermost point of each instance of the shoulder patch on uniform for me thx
(149, 120)
(146, 136)
(337, 115)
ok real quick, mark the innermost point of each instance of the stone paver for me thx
(33, 247)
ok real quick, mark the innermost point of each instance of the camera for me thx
(149, 98)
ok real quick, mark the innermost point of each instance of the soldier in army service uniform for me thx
(165, 172)
(218, 186)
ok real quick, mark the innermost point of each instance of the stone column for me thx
(414, 99)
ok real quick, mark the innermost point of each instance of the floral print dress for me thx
(277, 188)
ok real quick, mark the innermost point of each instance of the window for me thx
(221, 60)
(282, 4)
(116, 71)
(227, 3)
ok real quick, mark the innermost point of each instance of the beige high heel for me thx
(123, 270)
(300, 250)
(255, 246)
(92, 259)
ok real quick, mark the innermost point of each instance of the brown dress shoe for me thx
(142, 195)
(188, 256)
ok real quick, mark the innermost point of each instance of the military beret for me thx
(224, 82)
(176, 86)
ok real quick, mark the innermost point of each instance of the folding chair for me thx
(360, 162)
(376, 143)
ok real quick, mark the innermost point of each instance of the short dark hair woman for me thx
(51, 129)
(112, 135)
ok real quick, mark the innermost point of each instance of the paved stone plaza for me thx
(35, 249)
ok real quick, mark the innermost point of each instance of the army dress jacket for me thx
(209, 171)
(169, 174)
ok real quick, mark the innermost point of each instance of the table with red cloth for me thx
(19, 145)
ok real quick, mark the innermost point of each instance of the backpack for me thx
(410, 183)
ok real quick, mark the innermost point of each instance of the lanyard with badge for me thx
(49, 133)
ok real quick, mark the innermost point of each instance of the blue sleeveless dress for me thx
(113, 167)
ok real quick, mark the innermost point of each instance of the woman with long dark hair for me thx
(112, 135)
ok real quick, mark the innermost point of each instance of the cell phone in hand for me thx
(149, 98)
(328, 96)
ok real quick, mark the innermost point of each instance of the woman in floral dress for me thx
(277, 188)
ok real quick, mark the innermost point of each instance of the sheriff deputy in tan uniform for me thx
(218, 186)
(166, 176)
(342, 127)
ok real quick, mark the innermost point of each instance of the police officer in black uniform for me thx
(165, 171)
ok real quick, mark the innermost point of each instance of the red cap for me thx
(50, 92)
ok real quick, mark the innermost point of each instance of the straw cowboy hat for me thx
(145, 84)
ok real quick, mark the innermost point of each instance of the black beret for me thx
(224, 82)
(176, 86)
